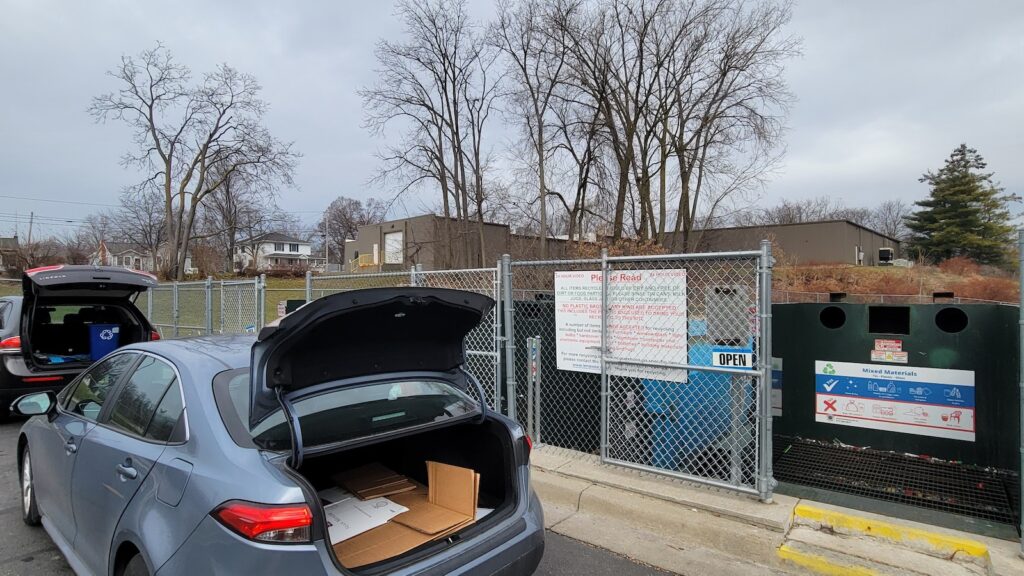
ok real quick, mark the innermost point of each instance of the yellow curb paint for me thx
(820, 564)
(943, 543)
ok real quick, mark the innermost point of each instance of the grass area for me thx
(919, 280)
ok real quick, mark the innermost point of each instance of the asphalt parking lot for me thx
(26, 551)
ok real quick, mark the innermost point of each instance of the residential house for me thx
(276, 250)
(135, 257)
(9, 253)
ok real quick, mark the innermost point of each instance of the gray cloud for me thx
(886, 90)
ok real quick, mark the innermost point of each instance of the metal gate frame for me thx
(763, 482)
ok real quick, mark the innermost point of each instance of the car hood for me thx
(84, 282)
(361, 333)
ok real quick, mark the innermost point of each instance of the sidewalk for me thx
(691, 529)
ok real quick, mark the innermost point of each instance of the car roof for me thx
(214, 353)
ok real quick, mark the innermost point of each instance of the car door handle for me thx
(127, 472)
(70, 447)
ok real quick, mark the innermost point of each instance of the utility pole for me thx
(31, 217)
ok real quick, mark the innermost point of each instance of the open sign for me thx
(733, 358)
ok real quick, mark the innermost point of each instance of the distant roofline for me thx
(809, 223)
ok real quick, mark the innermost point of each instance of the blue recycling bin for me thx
(689, 417)
(103, 339)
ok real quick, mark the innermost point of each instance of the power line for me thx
(57, 201)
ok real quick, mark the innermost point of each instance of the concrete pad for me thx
(775, 516)
(1005, 556)
(651, 548)
(870, 553)
(551, 458)
(682, 526)
(560, 495)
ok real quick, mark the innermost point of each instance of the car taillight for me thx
(12, 343)
(154, 335)
(282, 524)
(529, 443)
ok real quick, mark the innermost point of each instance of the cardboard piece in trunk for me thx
(448, 506)
(373, 481)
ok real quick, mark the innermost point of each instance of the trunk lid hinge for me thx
(294, 429)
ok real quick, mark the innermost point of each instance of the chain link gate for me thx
(183, 309)
(483, 344)
(652, 396)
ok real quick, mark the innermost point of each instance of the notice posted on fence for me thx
(646, 321)
(924, 401)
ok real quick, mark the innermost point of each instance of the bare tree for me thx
(190, 138)
(342, 219)
(890, 217)
(140, 221)
(537, 55)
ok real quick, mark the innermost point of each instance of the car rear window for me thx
(344, 414)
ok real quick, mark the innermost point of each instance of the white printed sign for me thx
(646, 321)
(924, 401)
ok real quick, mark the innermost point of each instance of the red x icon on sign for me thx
(830, 405)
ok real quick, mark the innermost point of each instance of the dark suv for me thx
(66, 318)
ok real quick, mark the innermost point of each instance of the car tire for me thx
(29, 509)
(135, 567)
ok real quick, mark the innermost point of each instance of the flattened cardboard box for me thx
(448, 506)
(373, 480)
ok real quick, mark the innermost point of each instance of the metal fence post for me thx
(261, 301)
(174, 306)
(604, 352)
(412, 276)
(221, 306)
(510, 343)
(1020, 254)
(149, 304)
(766, 479)
(309, 285)
(209, 304)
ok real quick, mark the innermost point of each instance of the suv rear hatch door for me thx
(84, 282)
(360, 333)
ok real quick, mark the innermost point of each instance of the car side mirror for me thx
(34, 404)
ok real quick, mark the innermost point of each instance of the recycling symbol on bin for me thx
(106, 334)
(829, 369)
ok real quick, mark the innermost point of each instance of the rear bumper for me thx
(213, 549)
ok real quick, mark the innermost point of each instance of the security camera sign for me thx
(923, 401)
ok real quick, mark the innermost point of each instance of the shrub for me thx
(960, 265)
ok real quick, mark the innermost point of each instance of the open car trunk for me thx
(63, 333)
(74, 315)
(485, 448)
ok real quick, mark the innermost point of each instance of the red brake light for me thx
(12, 343)
(154, 335)
(43, 269)
(283, 524)
(529, 443)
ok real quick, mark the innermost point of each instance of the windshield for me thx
(351, 412)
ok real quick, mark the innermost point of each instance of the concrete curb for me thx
(928, 542)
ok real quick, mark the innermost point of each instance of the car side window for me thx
(95, 385)
(143, 396)
(164, 425)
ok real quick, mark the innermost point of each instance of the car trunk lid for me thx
(84, 282)
(359, 333)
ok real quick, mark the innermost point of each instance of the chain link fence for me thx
(482, 344)
(184, 309)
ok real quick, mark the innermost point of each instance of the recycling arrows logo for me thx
(106, 335)
(829, 369)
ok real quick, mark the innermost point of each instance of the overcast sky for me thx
(885, 91)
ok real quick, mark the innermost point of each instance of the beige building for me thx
(825, 242)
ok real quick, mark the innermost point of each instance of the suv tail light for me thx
(12, 343)
(529, 443)
(280, 524)
(154, 335)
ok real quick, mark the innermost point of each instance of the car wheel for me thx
(136, 567)
(29, 510)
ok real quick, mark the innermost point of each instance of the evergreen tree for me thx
(965, 213)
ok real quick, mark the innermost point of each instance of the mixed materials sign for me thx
(924, 401)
